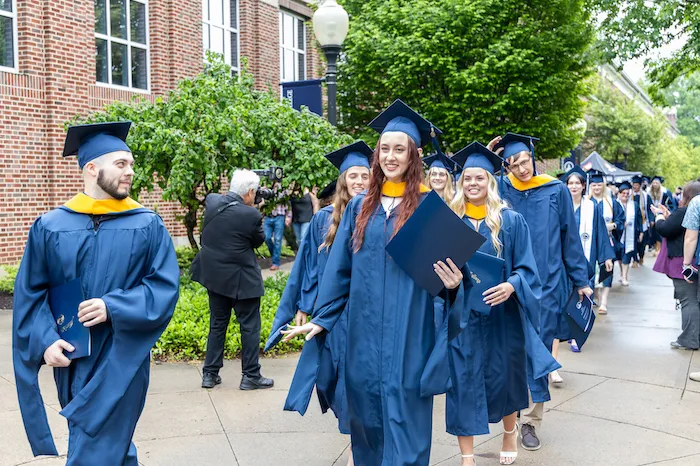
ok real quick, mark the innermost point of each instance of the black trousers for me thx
(248, 316)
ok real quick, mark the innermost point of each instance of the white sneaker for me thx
(625, 282)
(694, 376)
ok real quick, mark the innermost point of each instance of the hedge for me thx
(186, 336)
(7, 282)
(185, 254)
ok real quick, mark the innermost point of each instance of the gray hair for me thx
(242, 181)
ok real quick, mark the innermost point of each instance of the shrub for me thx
(7, 283)
(186, 336)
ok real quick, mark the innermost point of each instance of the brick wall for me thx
(56, 81)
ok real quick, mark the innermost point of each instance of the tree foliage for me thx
(189, 143)
(620, 131)
(634, 28)
(684, 95)
(475, 69)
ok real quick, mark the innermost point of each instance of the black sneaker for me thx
(529, 438)
(256, 383)
(209, 380)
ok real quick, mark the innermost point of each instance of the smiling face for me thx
(114, 173)
(575, 186)
(475, 183)
(357, 180)
(393, 155)
(438, 179)
(597, 189)
(520, 165)
(624, 196)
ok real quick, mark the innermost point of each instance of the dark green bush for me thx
(186, 336)
(185, 254)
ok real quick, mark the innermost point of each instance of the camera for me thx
(263, 193)
(272, 173)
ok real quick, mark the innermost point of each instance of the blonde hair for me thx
(494, 207)
(656, 193)
(449, 192)
(340, 202)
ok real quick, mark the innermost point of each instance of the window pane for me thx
(117, 15)
(216, 40)
(101, 61)
(216, 11)
(288, 38)
(234, 50)
(139, 68)
(6, 5)
(120, 75)
(300, 35)
(205, 38)
(205, 10)
(138, 22)
(301, 62)
(101, 16)
(234, 14)
(7, 51)
(288, 65)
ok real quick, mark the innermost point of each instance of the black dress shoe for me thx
(256, 383)
(529, 438)
(209, 380)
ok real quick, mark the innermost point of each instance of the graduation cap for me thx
(357, 154)
(328, 191)
(478, 155)
(625, 185)
(575, 171)
(402, 118)
(94, 140)
(646, 179)
(637, 179)
(657, 177)
(440, 160)
(513, 143)
(595, 176)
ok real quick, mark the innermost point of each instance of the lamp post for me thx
(331, 26)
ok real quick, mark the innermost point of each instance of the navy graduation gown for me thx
(324, 356)
(490, 355)
(395, 360)
(618, 218)
(129, 261)
(548, 211)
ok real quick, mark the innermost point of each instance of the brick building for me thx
(60, 58)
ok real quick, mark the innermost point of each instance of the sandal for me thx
(602, 310)
(555, 377)
(508, 457)
(472, 457)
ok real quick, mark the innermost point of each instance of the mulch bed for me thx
(5, 301)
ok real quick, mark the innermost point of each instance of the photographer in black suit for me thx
(227, 267)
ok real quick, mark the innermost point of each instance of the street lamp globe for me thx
(330, 23)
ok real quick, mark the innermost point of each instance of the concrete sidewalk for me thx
(626, 400)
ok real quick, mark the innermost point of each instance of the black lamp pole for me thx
(332, 52)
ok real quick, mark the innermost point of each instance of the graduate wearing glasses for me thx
(392, 358)
(546, 205)
(297, 303)
(490, 356)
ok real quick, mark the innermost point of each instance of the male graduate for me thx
(644, 200)
(546, 204)
(123, 260)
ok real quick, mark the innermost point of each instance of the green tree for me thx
(189, 143)
(634, 28)
(684, 95)
(475, 69)
(620, 131)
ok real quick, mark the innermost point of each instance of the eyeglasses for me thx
(521, 166)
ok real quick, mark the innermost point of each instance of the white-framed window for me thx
(220, 29)
(292, 47)
(121, 43)
(8, 35)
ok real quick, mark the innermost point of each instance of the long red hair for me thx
(409, 203)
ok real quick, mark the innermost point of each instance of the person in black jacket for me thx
(227, 267)
(670, 227)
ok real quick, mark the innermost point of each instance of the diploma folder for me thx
(486, 272)
(580, 317)
(432, 234)
(64, 301)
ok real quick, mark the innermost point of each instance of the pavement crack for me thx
(625, 423)
(671, 459)
(687, 374)
(223, 429)
(579, 394)
(609, 377)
